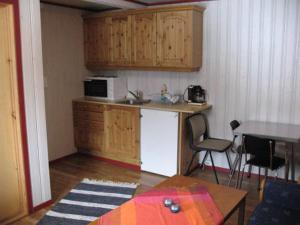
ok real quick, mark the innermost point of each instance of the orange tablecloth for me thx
(197, 208)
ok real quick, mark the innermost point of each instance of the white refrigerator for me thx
(159, 141)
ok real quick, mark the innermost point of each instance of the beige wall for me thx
(63, 59)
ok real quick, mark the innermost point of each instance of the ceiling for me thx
(79, 4)
(161, 2)
(103, 5)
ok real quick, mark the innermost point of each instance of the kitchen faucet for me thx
(138, 96)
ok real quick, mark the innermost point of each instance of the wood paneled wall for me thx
(251, 64)
(64, 71)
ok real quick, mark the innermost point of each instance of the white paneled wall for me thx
(251, 66)
(32, 67)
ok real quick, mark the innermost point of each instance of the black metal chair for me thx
(200, 141)
(261, 155)
(238, 151)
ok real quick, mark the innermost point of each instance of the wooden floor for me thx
(67, 173)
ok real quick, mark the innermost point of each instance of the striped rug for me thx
(87, 201)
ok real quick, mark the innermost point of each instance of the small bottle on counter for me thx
(163, 93)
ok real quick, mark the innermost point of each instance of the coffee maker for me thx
(196, 94)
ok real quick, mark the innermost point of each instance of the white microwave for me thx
(105, 88)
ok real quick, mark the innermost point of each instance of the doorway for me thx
(13, 168)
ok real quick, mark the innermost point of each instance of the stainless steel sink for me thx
(134, 101)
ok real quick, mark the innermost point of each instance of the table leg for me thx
(241, 216)
(292, 163)
(287, 165)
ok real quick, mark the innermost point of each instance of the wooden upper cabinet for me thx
(179, 39)
(90, 41)
(121, 40)
(144, 39)
(168, 38)
(174, 39)
(97, 41)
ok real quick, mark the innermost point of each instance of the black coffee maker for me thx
(196, 94)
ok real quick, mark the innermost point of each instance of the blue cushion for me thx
(282, 194)
(270, 214)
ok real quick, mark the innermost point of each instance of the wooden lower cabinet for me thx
(108, 131)
(122, 133)
(88, 126)
(113, 132)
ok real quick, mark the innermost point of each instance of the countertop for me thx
(178, 107)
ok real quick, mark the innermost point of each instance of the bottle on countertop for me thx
(163, 93)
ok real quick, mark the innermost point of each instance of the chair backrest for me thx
(197, 127)
(259, 147)
(234, 124)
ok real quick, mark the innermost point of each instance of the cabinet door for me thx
(122, 130)
(90, 41)
(121, 40)
(159, 138)
(89, 138)
(88, 126)
(97, 41)
(144, 39)
(13, 195)
(174, 39)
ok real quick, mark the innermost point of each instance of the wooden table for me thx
(288, 133)
(227, 199)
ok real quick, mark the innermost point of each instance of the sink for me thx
(134, 101)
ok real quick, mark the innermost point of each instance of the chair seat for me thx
(212, 144)
(269, 214)
(265, 162)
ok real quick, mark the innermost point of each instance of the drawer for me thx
(88, 125)
(88, 116)
(87, 106)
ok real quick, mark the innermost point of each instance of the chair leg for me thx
(188, 172)
(249, 171)
(234, 165)
(241, 181)
(213, 165)
(228, 160)
(266, 173)
(286, 171)
(239, 170)
(232, 172)
(203, 160)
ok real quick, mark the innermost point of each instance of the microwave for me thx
(105, 88)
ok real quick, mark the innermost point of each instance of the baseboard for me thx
(218, 168)
(43, 205)
(63, 157)
(225, 170)
(117, 163)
